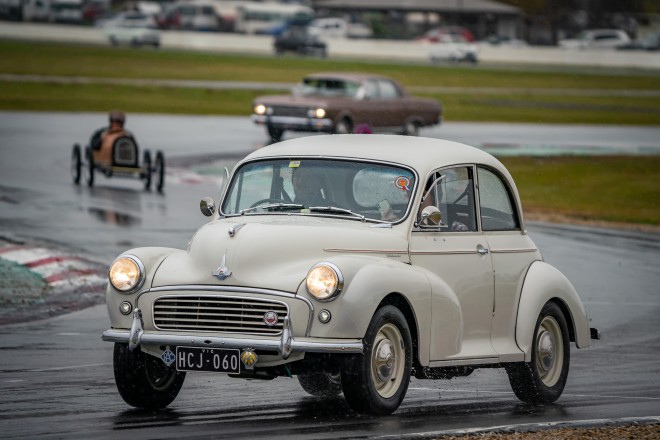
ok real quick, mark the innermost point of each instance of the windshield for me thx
(363, 191)
(327, 87)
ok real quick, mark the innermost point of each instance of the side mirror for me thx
(207, 206)
(431, 216)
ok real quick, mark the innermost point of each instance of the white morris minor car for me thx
(351, 262)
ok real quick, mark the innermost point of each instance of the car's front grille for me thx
(125, 152)
(218, 314)
(300, 112)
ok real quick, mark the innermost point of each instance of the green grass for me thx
(613, 189)
(521, 104)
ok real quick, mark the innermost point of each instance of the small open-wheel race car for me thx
(122, 161)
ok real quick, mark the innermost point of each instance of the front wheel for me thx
(543, 379)
(76, 164)
(144, 381)
(411, 128)
(321, 384)
(376, 381)
(275, 134)
(343, 127)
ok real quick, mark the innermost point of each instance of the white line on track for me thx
(70, 367)
(511, 392)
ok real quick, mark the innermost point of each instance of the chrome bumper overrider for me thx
(285, 345)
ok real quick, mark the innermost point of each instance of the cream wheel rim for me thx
(549, 351)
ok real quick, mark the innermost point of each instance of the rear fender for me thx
(544, 283)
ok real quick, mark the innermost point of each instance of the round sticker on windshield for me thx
(403, 183)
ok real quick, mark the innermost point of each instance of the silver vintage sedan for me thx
(352, 262)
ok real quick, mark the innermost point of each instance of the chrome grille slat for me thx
(217, 314)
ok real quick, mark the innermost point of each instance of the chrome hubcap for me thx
(387, 361)
(384, 360)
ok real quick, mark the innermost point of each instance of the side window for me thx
(452, 191)
(388, 90)
(498, 212)
(371, 90)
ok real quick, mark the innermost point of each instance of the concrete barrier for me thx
(342, 48)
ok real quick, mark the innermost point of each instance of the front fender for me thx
(368, 281)
(543, 283)
(151, 257)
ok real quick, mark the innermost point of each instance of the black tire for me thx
(146, 166)
(321, 384)
(144, 381)
(89, 167)
(542, 380)
(344, 126)
(160, 171)
(275, 134)
(376, 381)
(76, 164)
(411, 128)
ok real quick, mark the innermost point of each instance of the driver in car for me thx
(104, 138)
(307, 188)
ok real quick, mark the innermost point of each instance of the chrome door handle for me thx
(482, 250)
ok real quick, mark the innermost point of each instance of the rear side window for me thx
(498, 211)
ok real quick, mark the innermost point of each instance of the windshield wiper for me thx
(337, 209)
(272, 205)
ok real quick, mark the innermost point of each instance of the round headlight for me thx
(319, 113)
(260, 109)
(324, 281)
(126, 273)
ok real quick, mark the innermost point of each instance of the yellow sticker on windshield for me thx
(294, 164)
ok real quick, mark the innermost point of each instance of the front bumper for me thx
(284, 346)
(294, 123)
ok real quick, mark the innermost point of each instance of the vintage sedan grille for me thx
(125, 152)
(217, 314)
(300, 112)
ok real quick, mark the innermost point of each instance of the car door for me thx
(457, 252)
(511, 251)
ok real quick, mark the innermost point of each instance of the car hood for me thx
(293, 100)
(272, 252)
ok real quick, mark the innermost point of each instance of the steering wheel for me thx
(269, 200)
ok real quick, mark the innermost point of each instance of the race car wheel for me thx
(160, 171)
(542, 380)
(376, 381)
(321, 384)
(144, 381)
(76, 164)
(146, 166)
(89, 167)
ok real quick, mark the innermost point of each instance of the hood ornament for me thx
(222, 272)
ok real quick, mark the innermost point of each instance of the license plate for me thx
(217, 360)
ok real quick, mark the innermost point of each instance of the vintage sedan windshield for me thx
(352, 189)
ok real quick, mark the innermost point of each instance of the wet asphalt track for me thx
(56, 375)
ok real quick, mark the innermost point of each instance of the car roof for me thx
(422, 154)
(347, 76)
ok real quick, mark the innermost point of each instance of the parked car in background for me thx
(650, 42)
(132, 28)
(453, 48)
(340, 28)
(434, 35)
(194, 16)
(352, 262)
(300, 40)
(66, 11)
(340, 102)
(267, 17)
(596, 39)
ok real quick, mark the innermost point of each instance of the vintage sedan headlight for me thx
(324, 281)
(260, 109)
(317, 113)
(126, 273)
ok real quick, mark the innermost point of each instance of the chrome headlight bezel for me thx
(140, 274)
(260, 109)
(317, 113)
(314, 282)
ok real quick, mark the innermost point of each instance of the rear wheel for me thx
(321, 384)
(160, 171)
(411, 128)
(543, 379)
(146, 165)
(376, 381)
(76, 164)
(89, 167)
(144, 381)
